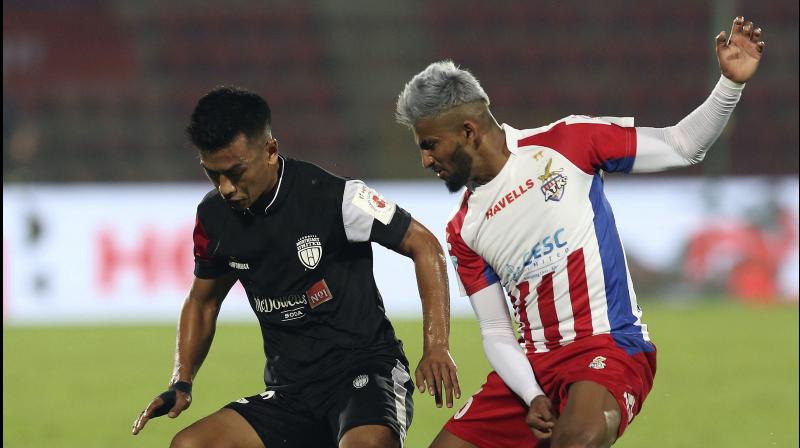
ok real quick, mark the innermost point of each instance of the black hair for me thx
(224, 113)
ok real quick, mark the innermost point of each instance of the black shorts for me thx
(379, 393)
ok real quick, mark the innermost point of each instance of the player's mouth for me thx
(237, 203)
(440, 173)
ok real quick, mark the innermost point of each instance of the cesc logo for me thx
(545, 247)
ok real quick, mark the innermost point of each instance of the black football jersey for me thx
(303, 254)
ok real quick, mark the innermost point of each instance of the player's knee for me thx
(370, 437)
(189, 439)
(585, 435)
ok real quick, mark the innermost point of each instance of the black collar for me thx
(270, 199)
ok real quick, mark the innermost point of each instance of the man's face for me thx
(443, 151)
(243, 170)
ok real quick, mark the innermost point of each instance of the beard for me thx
(462, 164)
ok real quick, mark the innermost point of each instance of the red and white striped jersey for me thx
(544, 229)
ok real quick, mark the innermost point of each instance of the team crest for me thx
(598, 363)
(309, 250)
(553, 183)
(360, 381)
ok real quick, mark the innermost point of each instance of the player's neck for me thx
(494, 155)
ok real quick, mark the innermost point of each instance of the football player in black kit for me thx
(298, 238)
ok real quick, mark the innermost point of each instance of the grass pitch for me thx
(727, 377)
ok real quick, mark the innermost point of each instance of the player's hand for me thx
(541, 417)
(437, 372)
(172, 402)
(740, 53)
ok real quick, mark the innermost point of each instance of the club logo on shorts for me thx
(309, 250)
(553, 183)
(360, 381)
(598, 363)
(630, 402)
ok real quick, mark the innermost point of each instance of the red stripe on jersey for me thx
(587, 145)
(522, 307)
(579, 294)
(474, 272)
(547, 312)
(200, 240)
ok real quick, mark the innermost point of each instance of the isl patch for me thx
(318, 294)
(372, 203)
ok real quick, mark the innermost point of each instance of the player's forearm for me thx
(687, 142)
(509, 361)
(431, 271)
(499, 344)
(195, 334)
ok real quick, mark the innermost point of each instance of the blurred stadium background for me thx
(99, 191)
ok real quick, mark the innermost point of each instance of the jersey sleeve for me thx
(206, 265)
(368, 216)
(472, 271)
(591, 143)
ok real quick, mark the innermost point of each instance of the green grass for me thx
(727, 377)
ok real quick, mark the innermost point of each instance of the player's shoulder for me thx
(309, 174)
(211, 204)
(456, 218)
(568, 132)
(565, 124)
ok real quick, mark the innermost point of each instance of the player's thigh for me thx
(590, 416)
(285, 419)
(370, 436)
(446, 439)
(222, 429)
(493, 417)
(373, 403)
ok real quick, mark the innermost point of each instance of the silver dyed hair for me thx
(438, 88)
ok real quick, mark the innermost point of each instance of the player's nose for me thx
(226, 187)
(427, 159)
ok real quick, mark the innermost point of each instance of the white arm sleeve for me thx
(687, 142)
(501, 347)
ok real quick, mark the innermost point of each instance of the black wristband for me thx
(170, 397)
(183, 386)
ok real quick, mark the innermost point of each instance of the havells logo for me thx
(553, 183)
(309, 250)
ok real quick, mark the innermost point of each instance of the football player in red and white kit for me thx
(534, 223)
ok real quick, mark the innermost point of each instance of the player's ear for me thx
(470, 131)
(272, 150)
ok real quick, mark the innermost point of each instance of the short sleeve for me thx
(368, 216)
(205, 264)
(591, 143)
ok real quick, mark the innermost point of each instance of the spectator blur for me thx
(101, 90)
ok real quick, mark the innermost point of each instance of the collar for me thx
(270, 199)
(512, 137)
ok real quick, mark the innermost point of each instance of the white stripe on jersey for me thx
(535, 319)
(597, 284)
(566, 321)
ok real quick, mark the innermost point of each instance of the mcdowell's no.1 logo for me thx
(309, 251)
